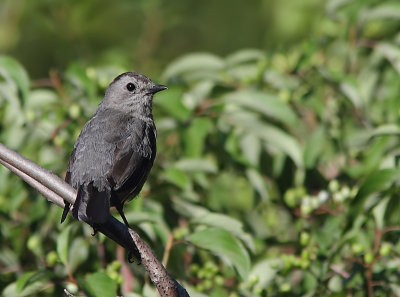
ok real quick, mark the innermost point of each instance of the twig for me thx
(168, 249)
(46, 192)
(42, 176)
(56, 190)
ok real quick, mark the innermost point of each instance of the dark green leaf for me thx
(100, 284)
(373, 184)
(228, 223)
(222, 243)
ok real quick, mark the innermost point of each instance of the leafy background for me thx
(277, 169)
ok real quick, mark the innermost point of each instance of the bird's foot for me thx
(95, 230)
(133, 257)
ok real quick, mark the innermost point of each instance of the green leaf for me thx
(267, 104)
(264, 272)
(63, 244)
(223, 244)
(171, 102)
(391, 52)
(244, 56)
(100, 284)
(228, 223)
(374, 183)
(177, 177)
(272, 136)
(251, 146)
(8, 257)
(352, 93)
(29, 284)
(198, 62)
(136, 217)
(78, 253)
(188, 209)
(41, 98)
(277, 138)
(385, 11)
(230, 191)
(279, 80)
(314, 146)
(198, 93)
(257, 181)
(194, 137)
(374, 152)
(334, 6)
(32, 289)
(388, 129)
(196, 165)
(11, 69)
(379, 213)
(24, 279)
(395, 288)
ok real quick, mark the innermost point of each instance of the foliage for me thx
(276, 173)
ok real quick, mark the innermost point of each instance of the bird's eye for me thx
(131, 87)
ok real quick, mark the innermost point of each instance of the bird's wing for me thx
(129, 166)
(133, 159)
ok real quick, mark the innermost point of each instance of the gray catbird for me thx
(114, 153)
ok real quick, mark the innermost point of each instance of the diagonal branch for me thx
(56, 190)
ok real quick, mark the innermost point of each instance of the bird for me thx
(115, 151)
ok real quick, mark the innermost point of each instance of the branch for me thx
(56, 190)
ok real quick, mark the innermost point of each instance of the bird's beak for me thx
(157, 88)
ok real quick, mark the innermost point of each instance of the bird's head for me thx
(131, 92)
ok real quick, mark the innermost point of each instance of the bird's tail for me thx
(65, 211)
(92, 206)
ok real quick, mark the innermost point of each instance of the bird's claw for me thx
(95, 230)
(132, 258)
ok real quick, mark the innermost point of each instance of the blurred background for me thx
(278, 144)
(147, 35)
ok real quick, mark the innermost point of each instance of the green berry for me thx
(74, 111)
(33, 243)
(290, 198)
(219, 280)
(304, 238)
(52, 258)
(357, 248)
(369, 258)
(333, 186)
(285, 287)
(385, 249)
